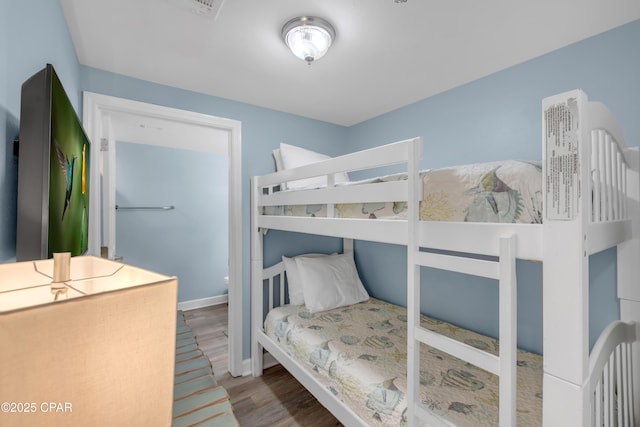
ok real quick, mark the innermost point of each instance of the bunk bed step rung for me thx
(479, 358)
(473, 266)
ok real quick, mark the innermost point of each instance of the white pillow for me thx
(293, 157)
(294, 283)
(278, 158)
(330, 282)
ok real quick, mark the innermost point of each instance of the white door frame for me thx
(96, 121)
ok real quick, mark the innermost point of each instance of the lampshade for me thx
(308, 37)
(95, 350)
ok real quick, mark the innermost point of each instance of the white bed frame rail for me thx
(383, 230)
(270, 277)
(263, 194)
(592, 203)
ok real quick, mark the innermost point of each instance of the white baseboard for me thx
(246, 367)
(203, 302)
(269, 361)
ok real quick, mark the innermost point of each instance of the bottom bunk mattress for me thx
(359, 353)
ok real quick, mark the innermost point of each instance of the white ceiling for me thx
(386, 54)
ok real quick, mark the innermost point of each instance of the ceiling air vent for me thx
(208, 8)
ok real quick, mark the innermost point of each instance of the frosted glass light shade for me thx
(309, 38)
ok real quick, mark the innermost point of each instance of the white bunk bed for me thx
(591, 203)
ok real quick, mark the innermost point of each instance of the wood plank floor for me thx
(275, 399)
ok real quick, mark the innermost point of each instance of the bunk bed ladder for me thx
(503, 365)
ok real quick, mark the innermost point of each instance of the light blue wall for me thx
(8, 163)
(499, 116)
(190, 241)
(494, 118)
(32, 34)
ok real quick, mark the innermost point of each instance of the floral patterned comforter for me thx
(359, 353)
(509, 191)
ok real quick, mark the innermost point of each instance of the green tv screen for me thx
(69, 177)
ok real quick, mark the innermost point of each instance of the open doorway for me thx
(109, 119)
(172, 215)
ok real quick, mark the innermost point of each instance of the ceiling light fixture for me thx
(308, 37)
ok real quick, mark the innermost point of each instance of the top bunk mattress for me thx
(506, 192)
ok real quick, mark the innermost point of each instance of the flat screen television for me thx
(53, 172)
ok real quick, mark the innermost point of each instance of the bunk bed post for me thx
(256, 283)
(566, 154)
(508, 329)
(347, 246)
(413, 280)
(629, 265)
